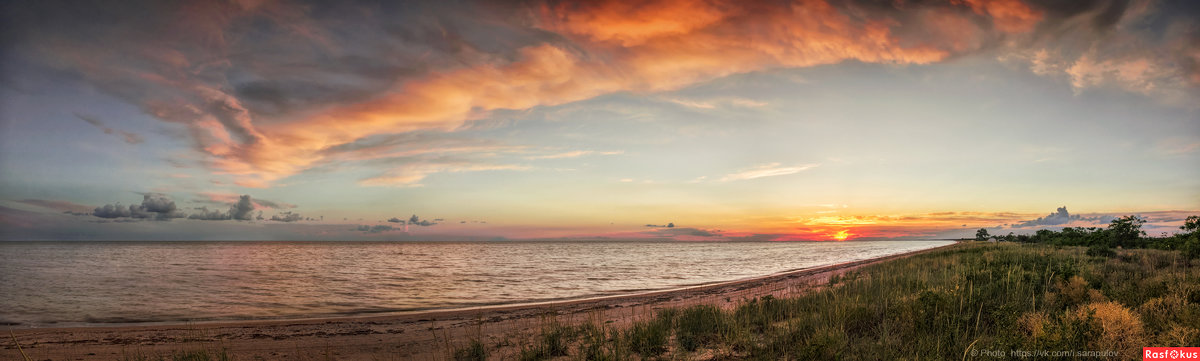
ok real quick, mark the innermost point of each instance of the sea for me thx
(60, 284)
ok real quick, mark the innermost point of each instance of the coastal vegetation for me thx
(1124, 232)
(974, 300)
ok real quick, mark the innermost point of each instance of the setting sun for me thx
(841, 235)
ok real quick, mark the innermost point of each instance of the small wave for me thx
(120, 319)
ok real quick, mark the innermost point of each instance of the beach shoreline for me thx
(425, 334)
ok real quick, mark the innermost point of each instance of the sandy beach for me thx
(427, 335)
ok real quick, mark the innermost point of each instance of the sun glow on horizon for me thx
(841, 235)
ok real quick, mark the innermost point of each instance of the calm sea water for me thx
(72, 283)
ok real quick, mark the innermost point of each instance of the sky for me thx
(609, 119)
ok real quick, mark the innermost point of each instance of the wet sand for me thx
(427, 335)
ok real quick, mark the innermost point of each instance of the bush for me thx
(1101, 250)
(1191, 246)
(1120, 328)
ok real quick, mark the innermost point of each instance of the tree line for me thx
(1124, 232)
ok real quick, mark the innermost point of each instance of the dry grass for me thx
(1120, 328)
(941, 304)
(1034, 323)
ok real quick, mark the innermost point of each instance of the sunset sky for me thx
(731, 120)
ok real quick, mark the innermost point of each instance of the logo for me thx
(1171, 353)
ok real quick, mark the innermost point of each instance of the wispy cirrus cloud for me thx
(411, 174)
(714, 103)
(128, 137)
(766, 170)
(575, 154)
(58, 205)
(219, 198)
(1177, 145)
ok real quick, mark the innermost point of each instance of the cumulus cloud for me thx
(156, 206)
(205, 214)
(266, 89)
(417, 221)
(242, 210)
(395, 220)
(111, 211)
(287, 217)
(376, 228)
(668, 225)
(1060, 217)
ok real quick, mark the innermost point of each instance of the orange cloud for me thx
(1010, 16)
(632, 22)
(606, 47)
(623, 46)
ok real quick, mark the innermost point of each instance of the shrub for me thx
(1101, 250)
(1191, 246)
(1033, 324)
(1179, 336)
(1075, 291)
(1120, 328)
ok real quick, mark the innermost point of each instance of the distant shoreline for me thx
(406, 334)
